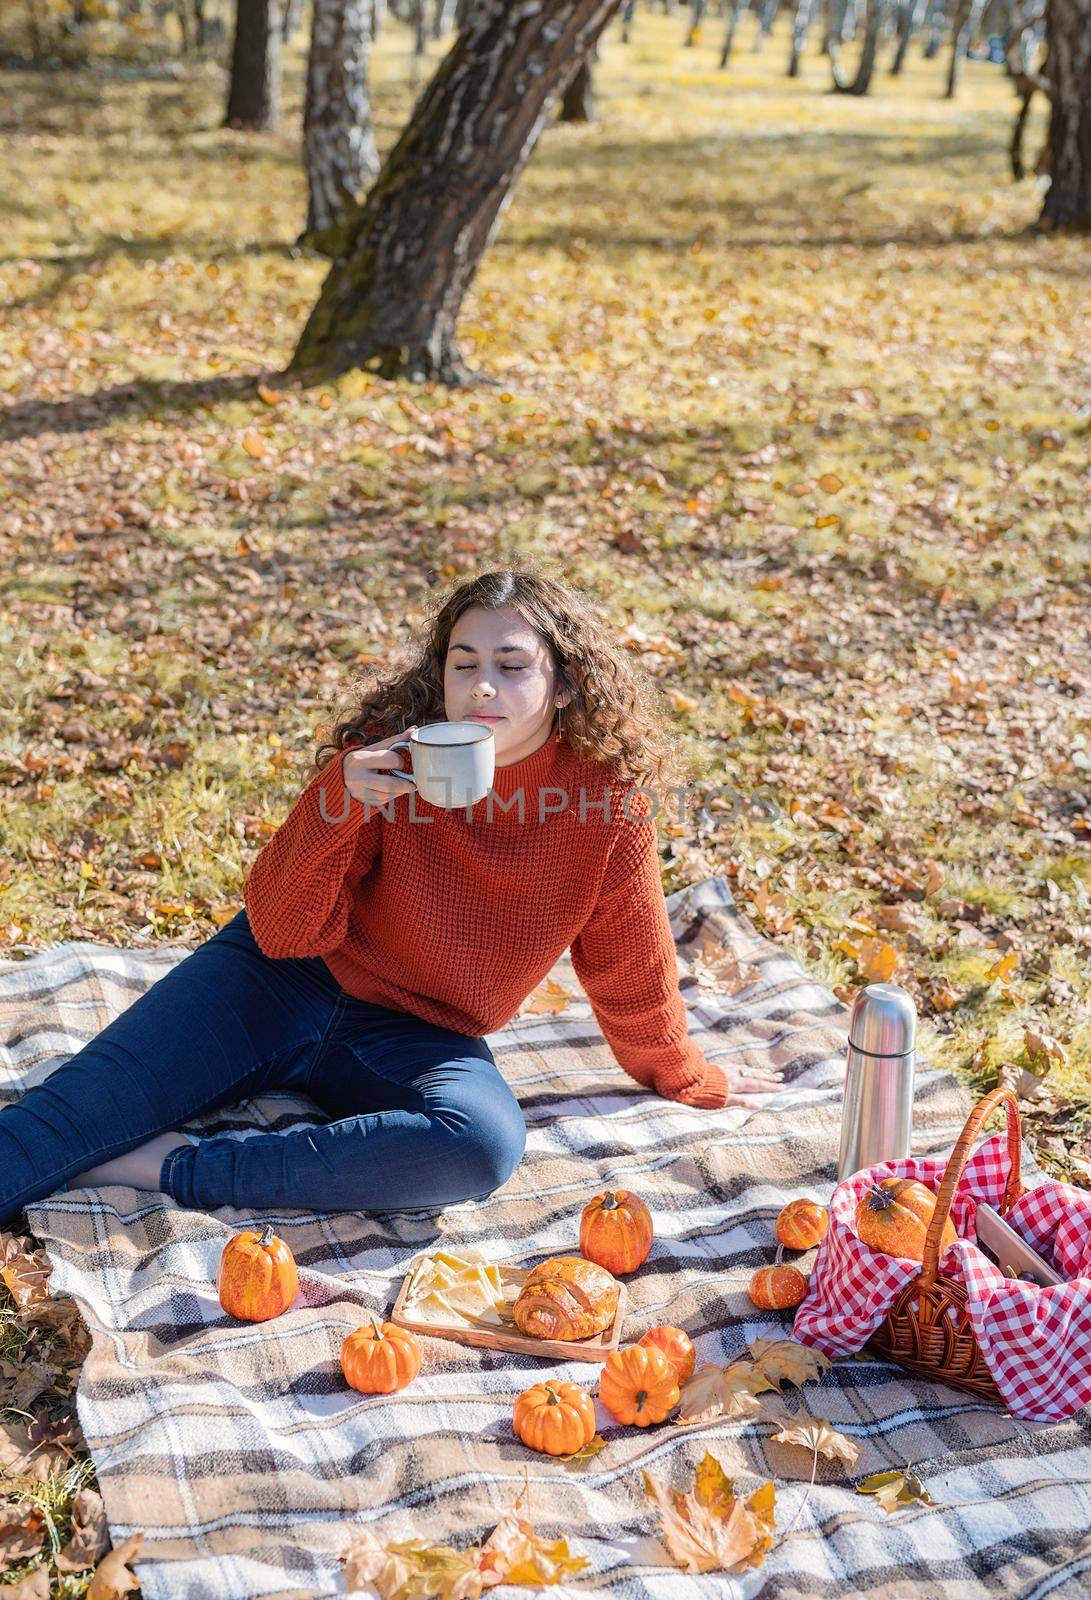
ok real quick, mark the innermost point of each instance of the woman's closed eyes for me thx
(469, 668)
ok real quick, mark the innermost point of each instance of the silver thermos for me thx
(877, 1119)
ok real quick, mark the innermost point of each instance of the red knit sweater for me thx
(457, 916)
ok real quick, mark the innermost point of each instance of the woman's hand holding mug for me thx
(363, 768)
(450, 764)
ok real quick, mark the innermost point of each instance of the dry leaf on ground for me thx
(586, 1453)
(21, 1456)
(786, 1361)
(815, 1434)
(716, 1391)
(1043, 1050)
(112, 1577)
(513, 1553)
(729, 1391)
(548, 999)
(22, 1529)
(895, 1490)
(35, 1586)
(90, 1538)
(707, 1529)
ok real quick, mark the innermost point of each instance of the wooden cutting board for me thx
(508, 1337)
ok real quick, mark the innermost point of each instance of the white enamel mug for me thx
(453, 762)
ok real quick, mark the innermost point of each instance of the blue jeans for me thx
(420, 1115)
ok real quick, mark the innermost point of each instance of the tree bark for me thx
(392, 297)
(801, 21)
(735, 9)
(338, 135)
(254, 97)
(965, 27)
(861, 83)
(578, 102)
(908, 23)
(1068, 198)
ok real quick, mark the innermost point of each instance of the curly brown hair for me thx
(617, 712)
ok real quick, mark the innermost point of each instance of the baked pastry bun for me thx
(566, 1297)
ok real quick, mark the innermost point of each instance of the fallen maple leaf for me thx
(112, 1577)
(716, 1391)
(586, 1453)
(786, 1361)
(1001, 970)
(936, 878)
(901, 918)
(513, 1553)
(1043, 1050)
(22, 1529)
(90, 1533)
(814, 1434)
(412, 1567)
(943, 996)
(724, 972)
(876, 960)
(548, 999)
(708, 1529)
(895, 1490)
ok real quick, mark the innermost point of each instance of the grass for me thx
(786, 376)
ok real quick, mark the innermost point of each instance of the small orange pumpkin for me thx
(616, 1231)
(893, 1217)
(677, 1346)
(555, 1418)
(379, 1359)
(257, 1277)
(801, 1224)
(777, 1288)
(638, 1385)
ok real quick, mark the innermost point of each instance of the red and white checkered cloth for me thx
(1036, 1342)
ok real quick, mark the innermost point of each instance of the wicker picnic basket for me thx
(928, 1329)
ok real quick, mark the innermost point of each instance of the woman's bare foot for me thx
(139, 1168)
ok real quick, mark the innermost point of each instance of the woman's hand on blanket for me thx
(724, 1086)
(743, 1081)
(363, 779)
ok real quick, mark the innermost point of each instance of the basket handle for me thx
(1012, 1189)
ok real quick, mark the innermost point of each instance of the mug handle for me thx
(404, 744)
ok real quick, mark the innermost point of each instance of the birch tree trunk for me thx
(392, 297)
(338, 135)
(254, 97)
(861, 83)
(1068, 198)
(735, 10)
(801, 21)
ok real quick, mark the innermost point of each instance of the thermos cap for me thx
(884, 1021)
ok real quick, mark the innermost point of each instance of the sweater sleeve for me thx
(624, 956)
(299, 889)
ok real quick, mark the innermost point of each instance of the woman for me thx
(381, 939)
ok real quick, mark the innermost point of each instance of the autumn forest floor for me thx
(786, 380)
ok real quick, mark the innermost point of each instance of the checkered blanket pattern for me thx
(247, 1463)
(1036, 1341)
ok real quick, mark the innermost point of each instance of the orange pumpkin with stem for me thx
(676, 1345)
(893, 1217)
(638, 1384)
(379, 1359)
(777, 1288)
(555, 1418)
(616, 1231)
(256, 1278)
(801, 1224)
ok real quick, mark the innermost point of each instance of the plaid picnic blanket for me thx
(248, 1463)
